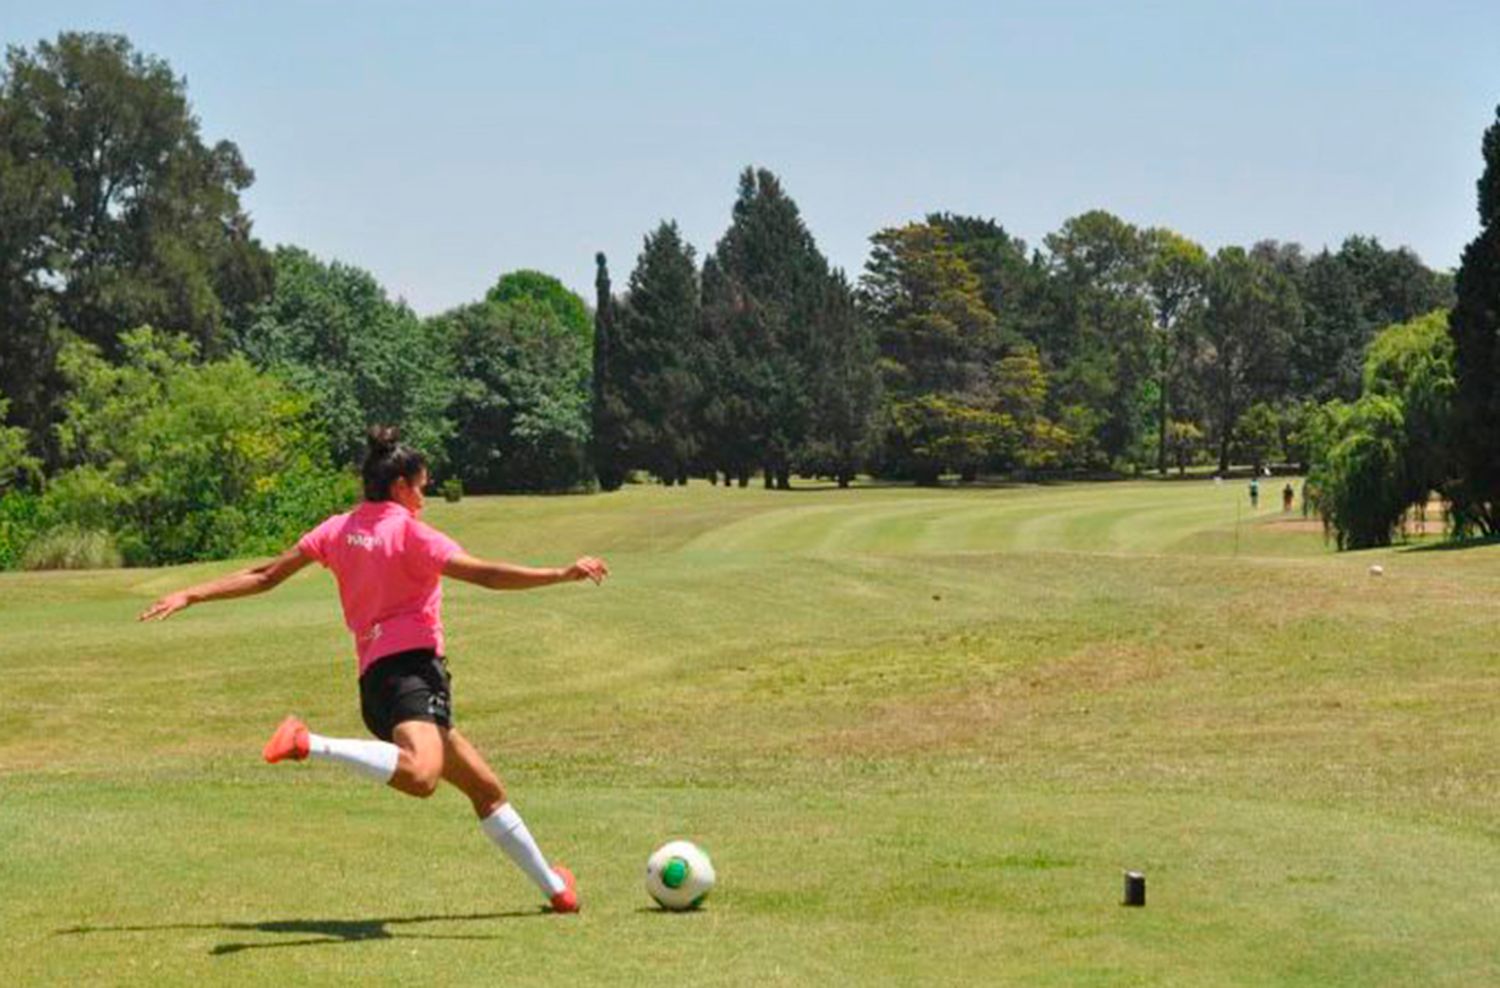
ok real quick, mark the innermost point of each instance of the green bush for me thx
(70, 547)
(184, 461)
(453, 490)
(22, 517)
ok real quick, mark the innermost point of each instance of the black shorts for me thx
(406, 686)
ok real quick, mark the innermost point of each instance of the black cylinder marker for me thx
(1135, 888)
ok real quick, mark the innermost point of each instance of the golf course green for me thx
(922, 733)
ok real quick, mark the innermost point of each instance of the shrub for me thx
(184, 461)
(22, 517)
(70, 547)
(453, 490)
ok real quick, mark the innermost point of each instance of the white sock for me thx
(376, 759)
(506, 828)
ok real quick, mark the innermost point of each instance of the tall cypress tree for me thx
(1475, 327)
(656, 340)
(607, 445)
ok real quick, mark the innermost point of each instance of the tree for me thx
(938, 343)
(1257, 435)
(1388, 451)
(761, 304)
(1099, 340)
(1394, 285)
(16, 465)
(1183, 440)
(1176, 279)
(1412, 363)
(1252, 313)
(1029, 438)
(1359, 483)
(931, 433)
(845, 386)
(608, 412)
(1012, 285)
(1475, 328)
(521, 408)
(548, 292)
(656, 359)
(1348, 297)
(936, 334)
(331, 330)
(114, 213)
(1326, 356)
(730, 345)
(183, 460)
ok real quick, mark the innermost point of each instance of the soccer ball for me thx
(679, 875)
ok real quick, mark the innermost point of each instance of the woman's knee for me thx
(420, 767)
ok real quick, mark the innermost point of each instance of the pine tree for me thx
(764, 302)
(845, 384)
(656, 340)
(607, 413)
(937, 336)
(1475, 327)
(723, 414)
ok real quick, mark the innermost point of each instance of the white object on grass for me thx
(679, 875)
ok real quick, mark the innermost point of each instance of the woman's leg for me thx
(421, 757)
(413, 764)
(466, 768)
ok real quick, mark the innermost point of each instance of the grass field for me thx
(922, 733)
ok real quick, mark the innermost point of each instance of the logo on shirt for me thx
(363, 540)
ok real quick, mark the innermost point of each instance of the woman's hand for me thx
(587, 568)
(166, 607)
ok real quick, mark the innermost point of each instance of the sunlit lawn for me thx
(922, 733)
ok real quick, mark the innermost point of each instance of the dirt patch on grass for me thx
(1295, 525)
(1431, 525)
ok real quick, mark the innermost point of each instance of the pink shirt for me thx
(389, 568)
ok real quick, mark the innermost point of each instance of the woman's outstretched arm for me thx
(256, 579)
(508, 576)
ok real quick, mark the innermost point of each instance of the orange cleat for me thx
(565, 901)
(289, 741)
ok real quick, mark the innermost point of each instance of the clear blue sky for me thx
(439, 144)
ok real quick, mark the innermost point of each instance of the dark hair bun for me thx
(383, 438)
(387, 460)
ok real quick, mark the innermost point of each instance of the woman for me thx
(389, 568)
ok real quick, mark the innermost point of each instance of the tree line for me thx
(961, 351)
(168, 380)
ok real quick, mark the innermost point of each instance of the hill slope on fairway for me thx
(922, 733)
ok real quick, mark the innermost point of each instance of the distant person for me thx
(1288, 495)
(389, 568)
(1254, 493)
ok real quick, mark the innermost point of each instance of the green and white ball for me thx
(679, 875)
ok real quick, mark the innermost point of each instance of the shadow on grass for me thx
(1453, 545)
(324, 931)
